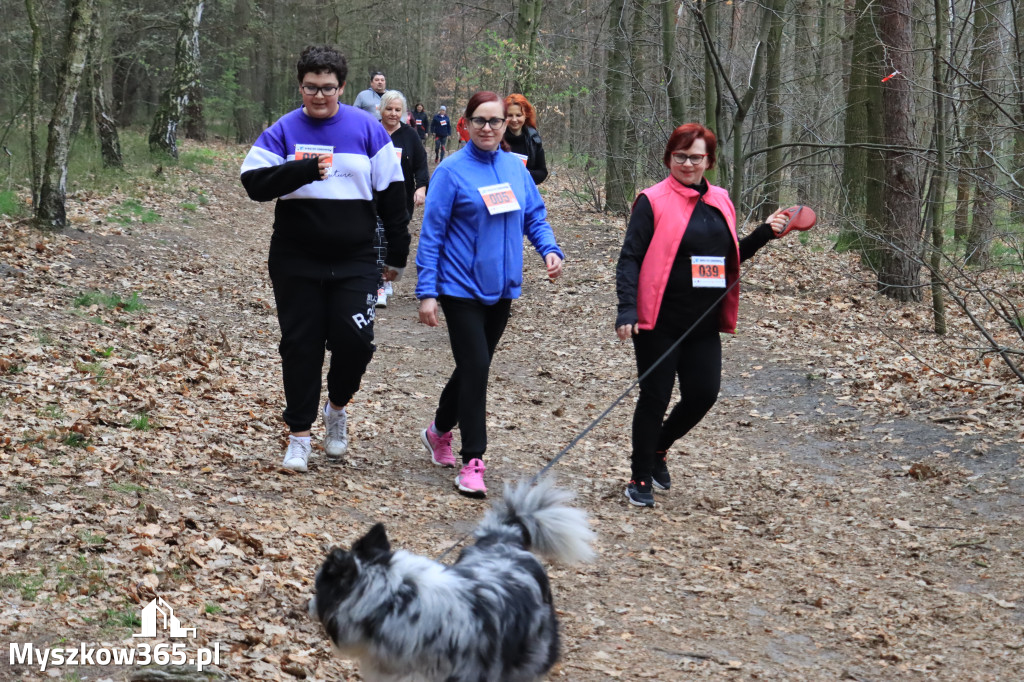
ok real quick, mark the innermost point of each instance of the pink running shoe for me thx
(471, 478)
(439, 447)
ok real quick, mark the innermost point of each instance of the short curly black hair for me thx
(322, 59)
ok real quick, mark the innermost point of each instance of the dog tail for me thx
(551, 528)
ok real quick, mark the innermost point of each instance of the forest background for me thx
(903, 122)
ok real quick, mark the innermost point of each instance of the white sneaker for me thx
(382, 298)
(336, 423)
(388, 289)
(296, 457)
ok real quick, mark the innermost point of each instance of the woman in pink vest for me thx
(680, 254)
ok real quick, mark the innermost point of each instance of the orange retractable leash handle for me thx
(800, 218)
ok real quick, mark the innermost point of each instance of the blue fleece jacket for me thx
(463, 250)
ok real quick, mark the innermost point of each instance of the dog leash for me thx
(597, 420)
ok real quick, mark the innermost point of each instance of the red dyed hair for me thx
(524, 104)
(683, 136)
(483, 97)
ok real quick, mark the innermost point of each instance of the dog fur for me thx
(487, 618)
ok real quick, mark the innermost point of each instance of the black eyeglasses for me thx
(311, 90)
(479, 122)
(694, 159)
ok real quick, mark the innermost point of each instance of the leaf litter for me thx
(846, 510)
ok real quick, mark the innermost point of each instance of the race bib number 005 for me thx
(499, 198)
(708, 272)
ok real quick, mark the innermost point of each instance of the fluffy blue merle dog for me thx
(487, 618)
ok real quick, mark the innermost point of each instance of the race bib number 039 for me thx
(304, 151)
(499, 198)
(708, 272)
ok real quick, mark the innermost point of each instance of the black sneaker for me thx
(639, 494)
(661, 479)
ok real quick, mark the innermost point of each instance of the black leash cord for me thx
(597, 420)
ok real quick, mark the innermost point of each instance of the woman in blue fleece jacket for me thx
(470, 262)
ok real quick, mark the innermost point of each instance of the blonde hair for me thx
(389, 97)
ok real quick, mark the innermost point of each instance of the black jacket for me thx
(529, 145)
(414, 161)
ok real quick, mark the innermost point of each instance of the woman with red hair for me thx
(680, 255)
(522, 137)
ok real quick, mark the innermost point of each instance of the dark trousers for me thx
(697, 363)
(474, 330)
(317, 315)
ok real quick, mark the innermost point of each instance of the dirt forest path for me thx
(836, 516)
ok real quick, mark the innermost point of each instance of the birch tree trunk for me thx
(50, 209)
(101, 78)
(163, 135)
(900, 265)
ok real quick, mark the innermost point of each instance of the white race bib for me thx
(522, 157)
(499, 198)
(708, 272)
(304, 151)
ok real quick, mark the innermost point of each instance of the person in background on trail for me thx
(413, 159)
(463, 130)
(441, 127)
(420, 121)
(679, 256)
(325, 163)
(522, 137)
(470, 261)
(369, 99)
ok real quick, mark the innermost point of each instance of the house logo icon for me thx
(158, 614)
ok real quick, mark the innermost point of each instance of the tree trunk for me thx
(900, 265)
(101, 78)
(983, 67)
(163, 135)
(1017, 191)
(527, 22)
(937, 194)
(708, 17)
(245, 54)
(50, 211)
(33, 100)
(638, 120)
(743, 106)
(616, 196)
(773, 110)
(807, 83)
(673, 81)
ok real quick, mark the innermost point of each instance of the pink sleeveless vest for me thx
(673, 203)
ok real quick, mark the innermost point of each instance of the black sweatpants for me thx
(474, 330)
(697, 363)
(317, 315)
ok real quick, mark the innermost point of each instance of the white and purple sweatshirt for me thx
(325, 228)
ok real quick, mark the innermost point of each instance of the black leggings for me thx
(440, 144)
(318, 315)
(474, 330)
(697, 362)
